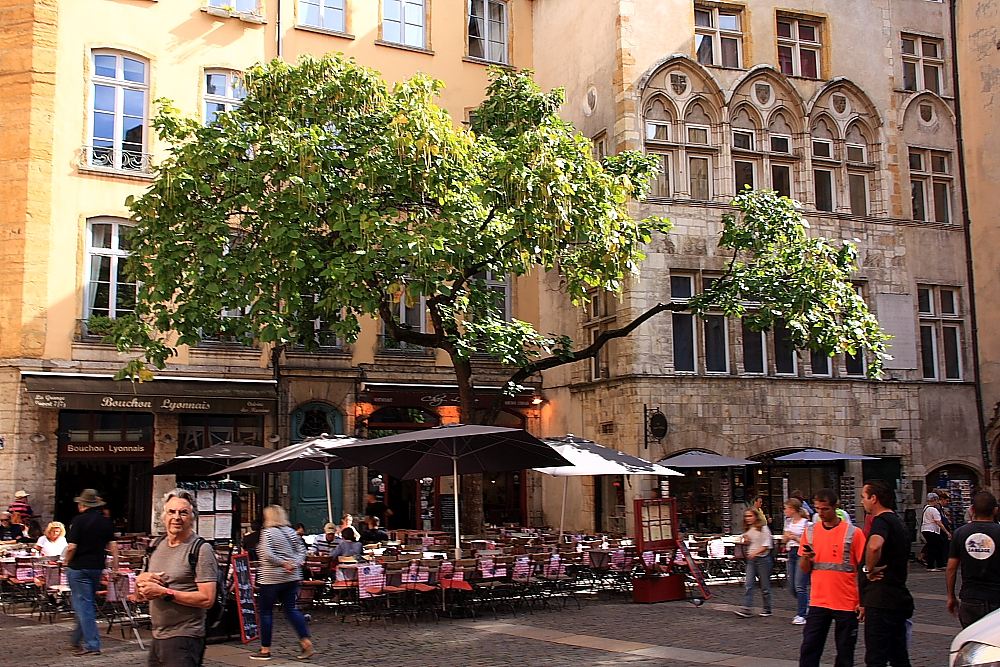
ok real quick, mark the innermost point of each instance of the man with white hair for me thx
(180, 581)
(934, 532)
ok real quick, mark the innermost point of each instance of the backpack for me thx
(215, 614)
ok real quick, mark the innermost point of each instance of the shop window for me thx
(327, 14)
(718, 37)
(754, 351)
(223, 92)
(80, 427)
(799, 46)
(923, 63)
(110, 291)
(198, 431)
(405, 22)
(119, 86)
(684, 343)
(488, 30)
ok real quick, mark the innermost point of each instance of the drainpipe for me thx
(277, 30)
(967, 223)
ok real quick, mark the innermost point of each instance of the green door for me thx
(308, 488)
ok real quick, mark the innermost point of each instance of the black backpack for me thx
(215, 614)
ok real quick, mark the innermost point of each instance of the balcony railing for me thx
(389, 346)
(99, 157)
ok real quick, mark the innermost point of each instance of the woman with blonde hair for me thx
(282, 553)
(758, 541)
(796, 522)
(52, 543)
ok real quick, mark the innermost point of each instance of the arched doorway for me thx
(775, 480)
(960, 481)
(307, 489)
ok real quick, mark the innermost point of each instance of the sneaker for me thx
(306, 653)
(799, 620)
(260, 655)
(766, 613)
(744, 613)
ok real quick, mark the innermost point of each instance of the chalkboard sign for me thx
(447, 501)
(699, 576)
(245, 603)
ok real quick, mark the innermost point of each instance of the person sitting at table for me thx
(325, 542)
(53, 543)
(21, 506)
(345, 521)
(10, 533)
(372, 533)
(30, 531)
(349, 546)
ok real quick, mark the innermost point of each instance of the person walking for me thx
(282, 554)
(886, 603)
(758, 541)
(934, 532)
(974, 549)
(796, 522)
(180, 583)
(801, 497)
(832, 551)
(91, 537)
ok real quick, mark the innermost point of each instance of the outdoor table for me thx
(600, 559)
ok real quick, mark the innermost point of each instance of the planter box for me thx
(217, 11)
(250, 17)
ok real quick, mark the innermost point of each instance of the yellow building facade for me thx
(79, 82)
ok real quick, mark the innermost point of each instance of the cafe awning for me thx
(169, 394)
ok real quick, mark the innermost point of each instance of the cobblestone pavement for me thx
(606, 632)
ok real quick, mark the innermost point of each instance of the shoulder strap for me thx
(151, 548)
(195, 553)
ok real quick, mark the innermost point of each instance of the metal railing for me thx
(389, 346)
(99, 157)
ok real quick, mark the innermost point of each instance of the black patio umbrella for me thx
(455, 449)
(208, 461)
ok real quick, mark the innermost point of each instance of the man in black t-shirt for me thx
(886, 603)
(974, 547)
(90, 537)
(375, 507)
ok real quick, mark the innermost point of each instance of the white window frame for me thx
(406, 11)
(708, 159)
(750, 133)
(390, 345)
(864, 191)
(797, 45)
(763, 353)
(829, 365)
(115, 157)
(680, 299)
(725, 343)
(864, 366)
(694, 345)
(958, 351)
(245, 6)
(920, 61)
(492, 283)
(116, 255)
(795, 359)
(864, 153)
(786, 137)
(695, 126)
(791, 176)
(231, 98)
(653, 125)
(932, 326)
(661, 185)
(929, 179)
(833, 189)
(338, 7)
(488, 38)
(755, 172)
(716, 33)
(828, 143)
(338, 342)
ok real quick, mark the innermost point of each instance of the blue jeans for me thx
(758, 568)
(798, 584)
(286, 594)
(83, 586)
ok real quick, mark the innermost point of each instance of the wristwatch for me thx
(169, 597)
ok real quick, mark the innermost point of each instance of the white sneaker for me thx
(798, 620)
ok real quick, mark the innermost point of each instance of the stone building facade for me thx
(847, 107)
(79, 78)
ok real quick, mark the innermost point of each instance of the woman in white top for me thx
(758, 541)
(52, 543)
(798, 582)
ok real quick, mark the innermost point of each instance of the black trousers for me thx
(818, 627)
(177, 652)
(937, 549)
(885, 638)
(970, 611)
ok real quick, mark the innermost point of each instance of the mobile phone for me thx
(807, 548)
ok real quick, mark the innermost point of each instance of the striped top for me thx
(277, 545)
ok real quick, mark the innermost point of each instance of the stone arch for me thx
(783, 92)
(858, 133)
(700, 82)
(782, 121)
(660, 107)
(938, 132)
(701, 112)
(825, 127)
(746, 117)
(860, 103)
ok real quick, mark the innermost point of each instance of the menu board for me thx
(699, 576)
(447, 502)
(245, 603)
(656, 523)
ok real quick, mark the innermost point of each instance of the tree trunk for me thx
(471, 486)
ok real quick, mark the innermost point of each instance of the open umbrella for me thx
(455, 449)
(590, 458)
(208, 461)
(703, 460)
(310, 454)
(821, 455)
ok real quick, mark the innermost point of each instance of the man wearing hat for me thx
(20, 507)
(90, 537)
(324, 544)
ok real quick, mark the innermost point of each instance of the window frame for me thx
(322, 7)
(833, 188)
(116, 254)
(725, 342)
(828, 360)
(797, 44)
(718, 34)
(231, 100)
(708, 160)
(401, 21)
(763, 350)
(938, 321)
(920, 62)
(929, 181)
(122, 160)
(694, 343)
(486, 38)
(794, 356)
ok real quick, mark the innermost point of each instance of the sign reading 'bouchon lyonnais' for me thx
(150, 404)
(90, 450)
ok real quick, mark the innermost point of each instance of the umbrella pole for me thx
(562, 516)
(329, 501)
(458, 532)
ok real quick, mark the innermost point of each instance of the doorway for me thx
(307, 488)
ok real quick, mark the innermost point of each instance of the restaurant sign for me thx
(435, 399)
(168, 404)
(98, 450)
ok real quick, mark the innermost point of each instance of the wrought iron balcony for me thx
(110, 159)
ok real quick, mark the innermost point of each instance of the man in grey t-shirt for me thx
(178, 593)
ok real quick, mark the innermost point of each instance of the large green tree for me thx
(329, 194)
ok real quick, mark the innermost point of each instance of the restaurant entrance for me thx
(113, 453)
